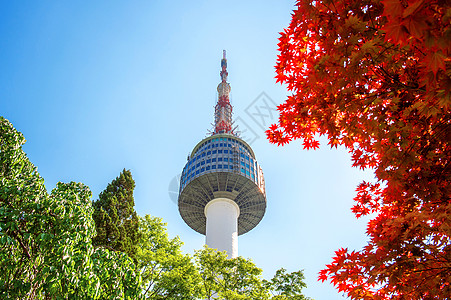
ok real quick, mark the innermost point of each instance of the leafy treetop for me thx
(239, 278)
(167, 273)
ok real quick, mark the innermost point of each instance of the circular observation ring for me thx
(201, 190)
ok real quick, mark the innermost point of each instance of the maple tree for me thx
(374, 76)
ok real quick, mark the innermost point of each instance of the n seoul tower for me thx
(222, 188)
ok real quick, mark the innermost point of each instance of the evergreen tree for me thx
(115, 217)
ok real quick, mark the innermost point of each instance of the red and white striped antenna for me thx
(223, 108)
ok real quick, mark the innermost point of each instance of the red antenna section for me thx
(223, 109)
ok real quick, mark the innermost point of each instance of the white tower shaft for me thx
(222, 225)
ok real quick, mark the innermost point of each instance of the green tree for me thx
(45, 239)
(224, 278)
(115, 217)
(166, 272)
(286, 285)
(239, 278)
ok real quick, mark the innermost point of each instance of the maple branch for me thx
(419, 50)
(333, 4)
(372, 22)
(380, 53)
(444, 128)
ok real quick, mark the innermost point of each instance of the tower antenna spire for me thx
(223, 108)
(224, 67)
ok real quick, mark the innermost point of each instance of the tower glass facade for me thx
(222, 153)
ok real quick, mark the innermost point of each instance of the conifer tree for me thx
(115, 217)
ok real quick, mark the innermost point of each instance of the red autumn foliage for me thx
(374, 76)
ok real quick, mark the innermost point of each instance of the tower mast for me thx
(223, 109)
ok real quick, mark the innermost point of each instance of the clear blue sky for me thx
(96, 87)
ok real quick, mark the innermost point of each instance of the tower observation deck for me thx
(222, 188)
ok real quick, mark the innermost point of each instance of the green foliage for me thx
(115, 217)
(239, 278)
(45, 239)
(233, 279)
(166, 272)
(117, 277)
(224, 278)
(286, 285)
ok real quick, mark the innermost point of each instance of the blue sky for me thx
(96, 87)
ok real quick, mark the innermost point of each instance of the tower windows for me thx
(221, 154)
